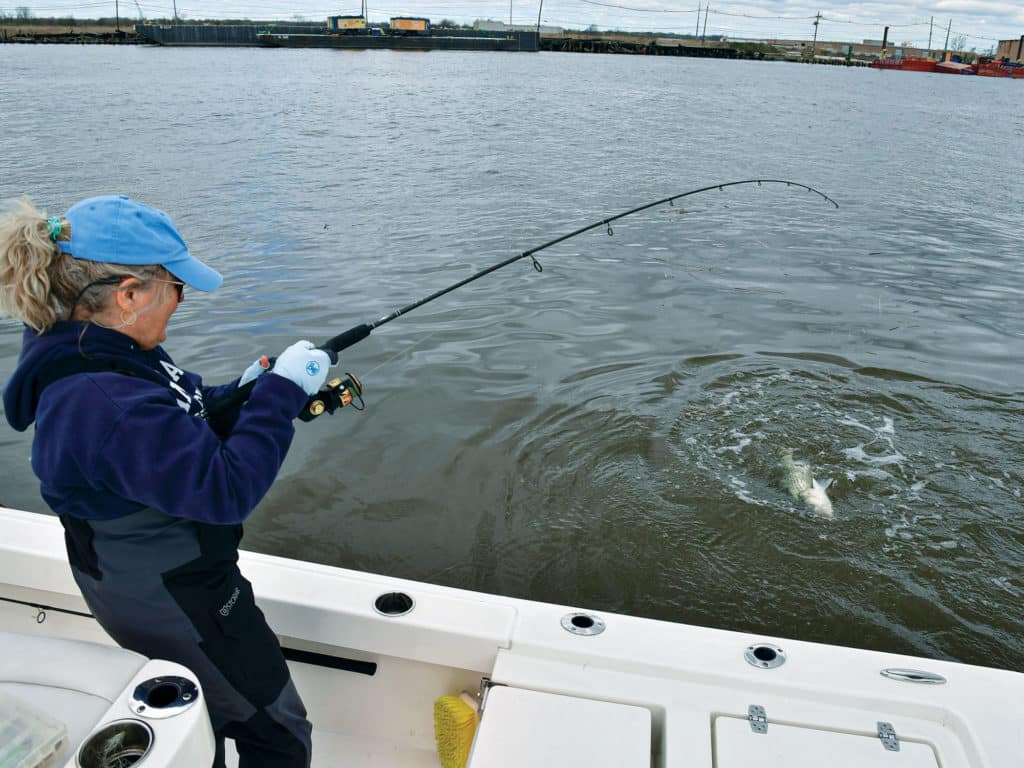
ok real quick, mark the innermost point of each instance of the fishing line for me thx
(399, 354)
(357, 333)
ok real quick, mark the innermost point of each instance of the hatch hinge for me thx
(758, 718)
(887, 735)
(485, 688)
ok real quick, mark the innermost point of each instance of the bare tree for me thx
(23, 12)
(958, 42)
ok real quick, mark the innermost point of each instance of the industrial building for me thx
(1011, 49)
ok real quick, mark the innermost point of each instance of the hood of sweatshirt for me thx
(42, 353)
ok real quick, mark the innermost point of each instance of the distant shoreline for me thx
(107, 32)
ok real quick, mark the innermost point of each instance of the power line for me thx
(636, 10)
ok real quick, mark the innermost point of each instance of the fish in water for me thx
(798, 480)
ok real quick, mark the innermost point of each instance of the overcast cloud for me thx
(983, 21)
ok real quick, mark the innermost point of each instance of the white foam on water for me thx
(743, 443)
(857, 453)
(873, 472)
(740, 491)
(900, 530)
(729, 397)
(747, 498)
(914, 492)
(851, 422)
(887, 428)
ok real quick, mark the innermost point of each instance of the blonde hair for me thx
(39, 283)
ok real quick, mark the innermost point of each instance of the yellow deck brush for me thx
(455, 721)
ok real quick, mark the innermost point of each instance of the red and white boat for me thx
(909, 64)
(954, 68)
(1000, 69)
(919, 64)
(887, 64)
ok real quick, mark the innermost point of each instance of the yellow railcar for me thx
(346, 24)
(409, 25)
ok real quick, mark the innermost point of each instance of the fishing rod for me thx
(340, 392)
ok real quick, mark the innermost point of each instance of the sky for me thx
(983, 22)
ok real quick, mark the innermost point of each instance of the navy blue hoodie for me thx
(108, 444)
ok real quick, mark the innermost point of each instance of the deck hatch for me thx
(522, 727)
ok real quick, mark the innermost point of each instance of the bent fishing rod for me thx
(339, 392)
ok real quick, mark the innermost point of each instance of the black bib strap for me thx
(69, 366)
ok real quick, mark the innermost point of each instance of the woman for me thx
(150, 496)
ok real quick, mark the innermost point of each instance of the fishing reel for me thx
(335, 394)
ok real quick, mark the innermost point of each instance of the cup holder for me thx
(120, 744)
(393, 604)
(585, 624)
(764, 656)
(163, 697)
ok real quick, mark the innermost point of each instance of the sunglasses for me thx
(180, 286)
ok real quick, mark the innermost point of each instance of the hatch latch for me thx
(887, 735)
(758, 718)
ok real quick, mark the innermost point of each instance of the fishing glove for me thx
(305, 365)
(252, 372)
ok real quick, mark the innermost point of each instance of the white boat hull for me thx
(825, 703)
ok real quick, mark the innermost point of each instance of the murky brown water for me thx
(604, 434)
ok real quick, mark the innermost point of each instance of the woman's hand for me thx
(253, 371)
(305, 365)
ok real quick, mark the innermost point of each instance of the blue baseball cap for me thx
(115, 229)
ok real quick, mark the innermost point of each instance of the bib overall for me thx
(152, 502)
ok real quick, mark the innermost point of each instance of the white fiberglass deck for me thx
(694, 682)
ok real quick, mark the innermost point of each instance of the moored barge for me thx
(321, 36)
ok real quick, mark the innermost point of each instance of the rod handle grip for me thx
(345, 340)
(332, 347)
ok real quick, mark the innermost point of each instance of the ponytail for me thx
(39, 283)
(27, 258)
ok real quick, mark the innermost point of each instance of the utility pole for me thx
(117, 16)
(814, 45)
(696, 33)
(510, 13)
(945, 50)
(175, 11)
(930, 25)
(541, 8)
(705, 32)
